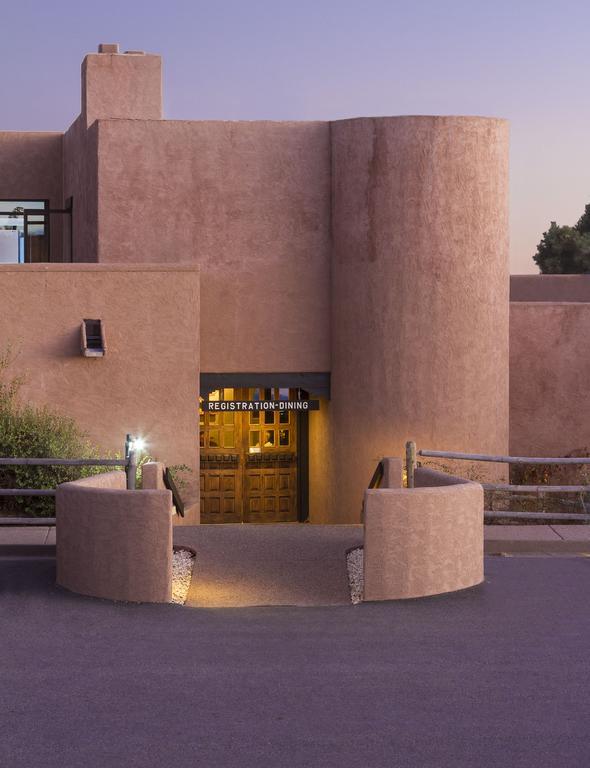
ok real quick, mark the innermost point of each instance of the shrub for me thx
(28, 431)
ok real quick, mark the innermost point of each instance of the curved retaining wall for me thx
(420, 285)
(114, 543)
(425, 540)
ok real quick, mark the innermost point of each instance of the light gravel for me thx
(182, 570)
(354, 564)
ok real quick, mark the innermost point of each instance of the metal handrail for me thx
(377, 477)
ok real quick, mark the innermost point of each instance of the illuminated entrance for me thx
(251, 468)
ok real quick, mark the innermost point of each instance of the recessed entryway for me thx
(251, 460)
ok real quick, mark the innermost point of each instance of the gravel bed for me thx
(354, 564)
(182, 569)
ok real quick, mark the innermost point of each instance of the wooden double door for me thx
(248, 460)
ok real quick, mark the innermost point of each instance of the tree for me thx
(565, 250)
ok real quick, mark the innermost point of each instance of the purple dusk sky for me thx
(525, 60)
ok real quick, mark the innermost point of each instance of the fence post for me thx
(410, 462)
(131, 469)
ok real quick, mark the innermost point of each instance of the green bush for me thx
(28, 431)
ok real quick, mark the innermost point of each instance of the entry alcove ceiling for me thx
(317, 384)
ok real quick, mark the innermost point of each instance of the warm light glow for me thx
(138, 444)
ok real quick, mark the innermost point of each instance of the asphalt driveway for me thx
(494, 676)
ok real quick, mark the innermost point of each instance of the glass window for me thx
(283, 437)
(20, 243)
(228, 438)
(283, 393)
(214, 418)
(269, 417)
(269, 438)
(284, 417)
(214, 438)
(255, 394)
(228, 393)
(228, 418)
(254, 417)
(268, 394)
(215, 395)
(254, 441)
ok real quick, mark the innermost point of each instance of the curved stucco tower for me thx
(419, 292)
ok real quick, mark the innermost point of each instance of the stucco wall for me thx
(424, 540)
(419, 292)
(320, 452)
(550, 288)
(147, 384)
(114, 543)
(549, 378)
(248, 202)
(31, 168)
(80, 174)
(119, 85)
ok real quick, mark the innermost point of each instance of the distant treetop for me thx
(565, 250)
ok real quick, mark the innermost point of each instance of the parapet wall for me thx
(549, 372)
(554, 288)
(425, 540)
(114, 543)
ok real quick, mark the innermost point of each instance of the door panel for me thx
(220, 496)
(249, 461)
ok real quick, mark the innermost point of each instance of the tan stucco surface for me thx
(320, 465)
(147, 383)
(30, 166)
(121, 86)
(250, 204)
(423, 541)
(550, 288)
(80, 175)
(549, 376)
(419, 291)
(114, 543)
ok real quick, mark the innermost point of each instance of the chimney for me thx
(121, 85)
(108, 47)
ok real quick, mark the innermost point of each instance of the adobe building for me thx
(361, 265)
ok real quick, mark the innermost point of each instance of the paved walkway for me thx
(247, 565)
(493, 676)
(537, 539)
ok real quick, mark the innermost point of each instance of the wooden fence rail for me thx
(501, 459)
(412, 453)
(129, 463)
